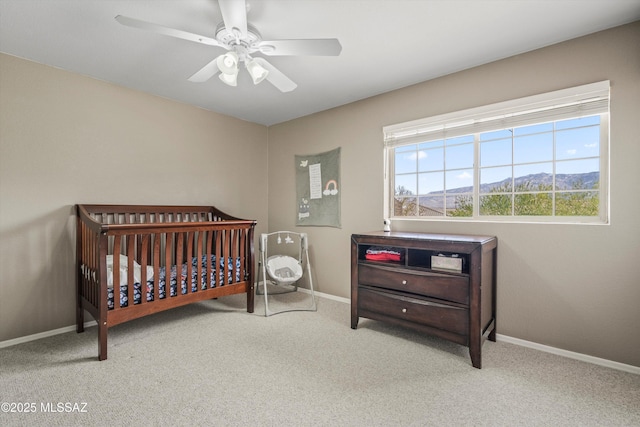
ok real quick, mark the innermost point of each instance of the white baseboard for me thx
(570, 354)
(329, 296)
(503, 338)
(40, 335)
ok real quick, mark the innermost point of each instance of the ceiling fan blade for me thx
(172, 32)
(276, 77)
(234, 15)
(309, 47)
(206, 72)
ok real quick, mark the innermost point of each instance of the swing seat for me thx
(283, 269)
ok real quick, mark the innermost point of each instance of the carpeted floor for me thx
(214, 364)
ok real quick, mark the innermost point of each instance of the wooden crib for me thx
(172, 256)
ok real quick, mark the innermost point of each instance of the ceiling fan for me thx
(241, 41)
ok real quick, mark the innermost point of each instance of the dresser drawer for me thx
(415, 310)
(442, 286)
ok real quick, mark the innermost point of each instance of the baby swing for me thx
(281, 268)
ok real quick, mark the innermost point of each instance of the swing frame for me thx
(300, 266)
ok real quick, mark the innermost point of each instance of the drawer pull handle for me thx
(404, 310)
(404, 282)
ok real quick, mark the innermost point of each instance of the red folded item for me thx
(383, 256)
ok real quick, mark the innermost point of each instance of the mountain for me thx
(563, 182)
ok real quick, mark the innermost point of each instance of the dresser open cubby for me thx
(415, 258)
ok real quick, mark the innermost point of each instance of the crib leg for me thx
(102, 341)
(79, 319)
(250, 298)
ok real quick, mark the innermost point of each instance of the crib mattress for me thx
(172, 288)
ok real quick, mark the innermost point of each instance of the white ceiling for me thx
(386, 44)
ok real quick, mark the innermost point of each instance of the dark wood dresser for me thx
(439, 284)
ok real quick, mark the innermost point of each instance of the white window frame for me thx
(585, 100)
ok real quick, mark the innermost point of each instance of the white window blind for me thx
(566, 103)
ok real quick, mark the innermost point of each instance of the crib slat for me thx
(130, 278)
(190, 237)
(220, 257)
(138, 250)
(210, 268)
(117, 250)
(199, 280)
(168, 251)
(225, 256)
(130, 253)
(234, 255)
(179, 260)
(150, 249)
(241, 271)
(143, 262)
(156, 266)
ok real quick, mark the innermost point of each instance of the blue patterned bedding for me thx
(173, 281)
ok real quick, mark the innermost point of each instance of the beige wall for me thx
(574, 287)
(67, 139)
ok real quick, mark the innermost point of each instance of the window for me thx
(537, 159)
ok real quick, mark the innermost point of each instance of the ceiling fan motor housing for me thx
(242, 45)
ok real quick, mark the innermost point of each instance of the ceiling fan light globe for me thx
(231, 79)
(228, 63)
(258, 72)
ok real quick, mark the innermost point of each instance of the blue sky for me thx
(530, 149)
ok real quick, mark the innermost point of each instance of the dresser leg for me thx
(476, 358)
(354, 322)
